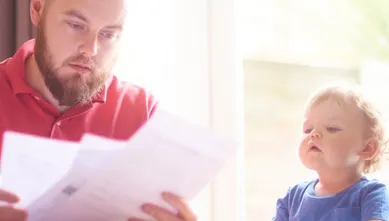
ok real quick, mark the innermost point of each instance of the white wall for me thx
(185, 51)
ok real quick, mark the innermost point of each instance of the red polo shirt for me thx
(117, 112)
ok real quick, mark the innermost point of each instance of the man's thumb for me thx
(8, 197)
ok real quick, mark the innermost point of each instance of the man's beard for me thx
(68, 91)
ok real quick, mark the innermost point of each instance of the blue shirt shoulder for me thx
(363, 201)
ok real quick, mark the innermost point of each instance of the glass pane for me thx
(274, 102)
(291, 48)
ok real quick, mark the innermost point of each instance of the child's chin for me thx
(312, 165)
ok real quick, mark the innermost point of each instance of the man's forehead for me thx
(96, 11)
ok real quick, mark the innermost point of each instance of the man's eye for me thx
(108, 35)
(75, 26)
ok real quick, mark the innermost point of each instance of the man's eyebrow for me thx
(77, 14)
(119, 27)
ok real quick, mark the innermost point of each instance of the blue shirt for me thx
(363, 201)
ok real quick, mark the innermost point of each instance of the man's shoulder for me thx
(129, 90)
(3, 65)
(131, 95)
(3, 70)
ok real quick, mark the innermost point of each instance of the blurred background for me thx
(291, 48)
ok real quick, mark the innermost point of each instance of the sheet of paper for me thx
(94, 153)
(32, 165)
(109, 180)
(167, 154)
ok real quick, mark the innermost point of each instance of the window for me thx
(274, 101)
(290, 49)
(185, 52)
(374, 78)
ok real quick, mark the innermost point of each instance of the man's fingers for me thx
(8, 197)
(160, 214)
(185, 213)
(11, 213)
(183, 208)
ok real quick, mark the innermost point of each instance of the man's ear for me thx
(36, 11)
(370, 150)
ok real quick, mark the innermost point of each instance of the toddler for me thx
(343, 141)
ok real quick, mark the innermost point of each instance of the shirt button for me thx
(59, 123)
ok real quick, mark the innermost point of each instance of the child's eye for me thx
(332, 129)
(307, 131)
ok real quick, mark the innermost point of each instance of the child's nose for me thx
(315, 134)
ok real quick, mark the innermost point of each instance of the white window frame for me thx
(202, 81)
(227, 106)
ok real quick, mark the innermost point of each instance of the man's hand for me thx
(185, 213)
(7, 211)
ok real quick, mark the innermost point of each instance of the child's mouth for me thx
(315, 148)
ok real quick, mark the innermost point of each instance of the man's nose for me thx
(89, 46)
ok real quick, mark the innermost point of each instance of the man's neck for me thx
(35, 80)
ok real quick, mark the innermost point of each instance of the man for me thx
(60, 85)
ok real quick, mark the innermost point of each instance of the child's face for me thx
(333, 137)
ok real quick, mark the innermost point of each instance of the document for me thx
(99, 179)
(31, 165)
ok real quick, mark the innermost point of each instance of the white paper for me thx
(167, 154)
(95, 151)
(31, 165)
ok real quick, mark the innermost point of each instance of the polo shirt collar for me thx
(16, 72)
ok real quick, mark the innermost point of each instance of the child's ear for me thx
(370, 150)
